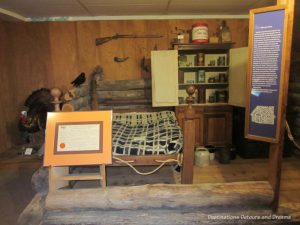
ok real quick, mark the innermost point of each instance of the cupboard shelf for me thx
(202, 46)
(202, 62)
(202, 84)
(202, 67)
(208, 104)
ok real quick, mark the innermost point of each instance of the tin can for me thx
(200, 33)
(201, 76)
(200, 61)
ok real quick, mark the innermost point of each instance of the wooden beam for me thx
(158, 204)
(160, 196)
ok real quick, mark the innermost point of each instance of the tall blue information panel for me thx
(265, 75)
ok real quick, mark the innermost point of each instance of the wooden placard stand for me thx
(276, 145)
(60, 176)
(276, 149)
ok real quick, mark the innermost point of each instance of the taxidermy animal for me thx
(79, 80)
(38, 104)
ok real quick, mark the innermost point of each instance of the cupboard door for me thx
(164, 71)
(238, 67)
(217, 129)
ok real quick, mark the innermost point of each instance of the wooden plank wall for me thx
(6, 96)
(293, 115)
(48, 54)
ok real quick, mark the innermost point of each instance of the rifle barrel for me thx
(100, 41)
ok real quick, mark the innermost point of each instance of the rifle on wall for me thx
(100, 41)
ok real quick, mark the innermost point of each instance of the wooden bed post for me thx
(56, 93)
(188, 139)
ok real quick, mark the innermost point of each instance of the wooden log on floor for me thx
(123, 85)
(233, 195)
(33, 213)
(158, 204)
(160, 217)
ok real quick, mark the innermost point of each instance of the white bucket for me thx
(201, 157)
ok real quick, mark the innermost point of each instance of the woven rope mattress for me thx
(152, 133)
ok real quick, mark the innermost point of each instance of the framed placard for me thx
(267, 34)
(78, 138)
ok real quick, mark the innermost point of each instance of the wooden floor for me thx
(255, 170)
(16, 171)
(15, 186)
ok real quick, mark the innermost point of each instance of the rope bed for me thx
(156, 133)
(140, 136)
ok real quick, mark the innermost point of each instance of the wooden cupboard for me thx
(206, 66)
(213, 119)
(213, 124)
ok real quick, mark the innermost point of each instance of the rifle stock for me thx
(103, 40)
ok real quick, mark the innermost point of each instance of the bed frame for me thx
(133, 96)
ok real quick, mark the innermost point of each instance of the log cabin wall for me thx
(48, 54)
(293, 114)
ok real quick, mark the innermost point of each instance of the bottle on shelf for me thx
(224, 33)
